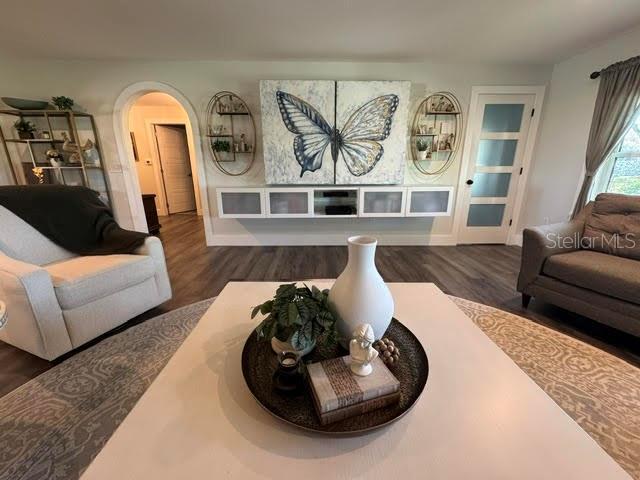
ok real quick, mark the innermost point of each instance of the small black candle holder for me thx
(288, 378)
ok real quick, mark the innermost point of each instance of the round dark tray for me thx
(259, 362)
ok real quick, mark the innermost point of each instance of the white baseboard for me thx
(515, 239)
(326, 240)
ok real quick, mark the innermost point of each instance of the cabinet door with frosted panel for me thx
(429, 201)
(382, 201)
(499, 134)
(240, 202)
(289, 202)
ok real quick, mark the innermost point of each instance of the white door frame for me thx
(149, 123)
(123, 104)
(513, 236)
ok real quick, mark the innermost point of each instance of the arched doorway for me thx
(123, 105)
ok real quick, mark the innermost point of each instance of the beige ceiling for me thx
(496, 31)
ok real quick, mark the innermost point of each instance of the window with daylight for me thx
(620, 173)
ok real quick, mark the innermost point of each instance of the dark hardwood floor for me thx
(482, 273)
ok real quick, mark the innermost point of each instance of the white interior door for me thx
(173, 152)
(498, 140)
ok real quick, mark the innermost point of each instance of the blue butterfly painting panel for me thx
(296, 127)
(372, 119)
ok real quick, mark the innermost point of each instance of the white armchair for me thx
(57, 301)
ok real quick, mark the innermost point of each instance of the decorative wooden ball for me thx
(389, 353)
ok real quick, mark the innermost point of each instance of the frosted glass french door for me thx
(499, 135)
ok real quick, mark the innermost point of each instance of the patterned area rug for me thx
(53, 426)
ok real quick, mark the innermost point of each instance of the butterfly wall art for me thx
(327, 132)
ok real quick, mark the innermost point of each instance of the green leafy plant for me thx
(221, 146)
(62, 102)
(299, 315)
(422, 145)
(24, 126)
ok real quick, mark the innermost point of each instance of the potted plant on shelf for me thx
(423, 147)
(25, 129)
(297, 319)
(221, 146)
(62, 102)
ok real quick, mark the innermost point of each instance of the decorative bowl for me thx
(24, 104)
(259, 364)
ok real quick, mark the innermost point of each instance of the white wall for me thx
(96, 85)
(558, 164)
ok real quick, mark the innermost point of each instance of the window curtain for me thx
(616, 104)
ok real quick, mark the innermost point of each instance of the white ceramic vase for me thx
(359, 295)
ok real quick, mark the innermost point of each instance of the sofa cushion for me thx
(607, 274)
(613, 226)
(82, 280)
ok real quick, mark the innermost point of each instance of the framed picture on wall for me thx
(334, 132)
(135, 146)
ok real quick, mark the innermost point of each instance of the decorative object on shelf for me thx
(389, 352)
(297, 319)
(439, 119)
(229, 116)
(288, 378)
(55, 157)
(361, 351)
(221, 146)
(359, 295)
(63, 103)
(24, 104)
(68, 146)
(424, 148)
(38, 172)
(25, 129)
(259, 364)
(334, 132)
(45, 135)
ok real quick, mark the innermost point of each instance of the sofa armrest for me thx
(35, 320)
(539, 243)
(153, 248)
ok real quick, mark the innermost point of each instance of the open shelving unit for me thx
(437, 124)
(224, 112)
(77, 166)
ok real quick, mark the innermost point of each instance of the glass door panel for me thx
(379, 202)
(496, 153)
(490, 184)
(485, 215)
(289, 203)
(502, 117)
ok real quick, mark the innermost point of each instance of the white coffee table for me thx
(480, 416)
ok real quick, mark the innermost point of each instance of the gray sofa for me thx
(590, 265)
(56, 300)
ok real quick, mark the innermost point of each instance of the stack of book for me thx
(338, 393)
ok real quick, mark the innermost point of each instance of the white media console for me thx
(334, 202)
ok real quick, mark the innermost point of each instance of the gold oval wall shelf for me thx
(231, 133)
(435, 133)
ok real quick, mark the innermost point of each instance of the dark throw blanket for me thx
(73, 217)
